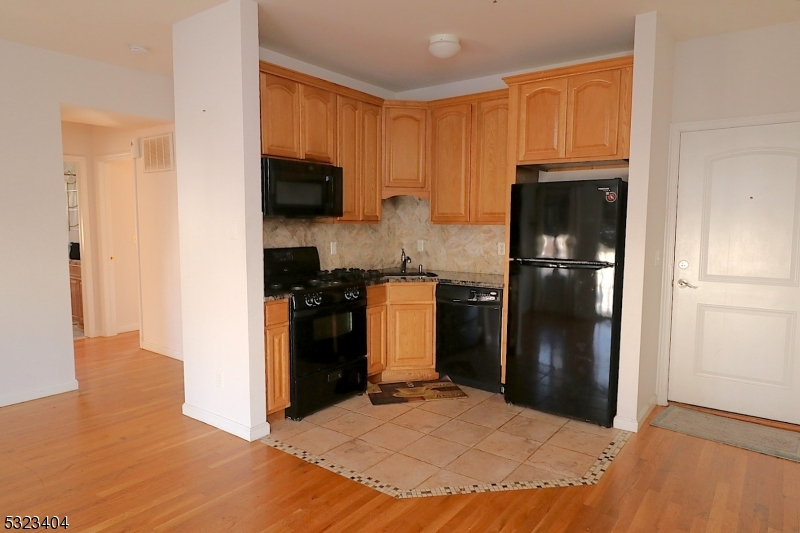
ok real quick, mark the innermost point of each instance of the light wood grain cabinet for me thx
(468, 161)
(405, 170)
(573, 114)
(297, 120)
(359, 155)
(280, 117)
(451, 137)
(411, 331)
(318, 127)
(276, 342)
(376, 329)
(488, 186)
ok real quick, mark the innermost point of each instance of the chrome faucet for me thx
(404, 260)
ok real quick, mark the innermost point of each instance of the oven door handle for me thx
(305, 313)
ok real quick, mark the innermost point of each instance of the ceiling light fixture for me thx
(138, 49)
(444, 45)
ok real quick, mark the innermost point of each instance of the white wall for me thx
(36, 351)
(647, 185)
(747, 73)
(219, 217)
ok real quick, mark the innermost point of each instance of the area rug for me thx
(770, 441)
(413, 391)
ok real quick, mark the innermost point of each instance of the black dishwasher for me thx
(468, 335)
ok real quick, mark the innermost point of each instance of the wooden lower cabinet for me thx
(376, 329)
(276, 343)
(76, 292)
(411, 337)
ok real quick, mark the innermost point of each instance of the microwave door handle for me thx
(329, 182)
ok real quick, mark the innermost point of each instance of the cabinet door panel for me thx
(593, 114)
(542, 120)
(319, 124)
(276, 339)
(411, 336)
(405, 148)
(488, 187)
(348, 157)
(280, 116)
(450, 163)
(370, 155)
(376, 339)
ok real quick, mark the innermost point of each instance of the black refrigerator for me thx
(565, 296)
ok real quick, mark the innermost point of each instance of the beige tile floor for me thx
(457, 442)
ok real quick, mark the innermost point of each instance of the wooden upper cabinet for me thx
(348, 157)
(593, 114)
(573, 114)
(280, 116)
(371, 147)
(451, 136)
(542, 119)
(404, 140)
(318, 130)
(488, 187)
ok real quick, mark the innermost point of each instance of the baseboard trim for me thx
(127, 329)
(630, 424)
(225, 424)
(35, 394)
(162, 350)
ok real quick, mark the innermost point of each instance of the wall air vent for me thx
(157, 153)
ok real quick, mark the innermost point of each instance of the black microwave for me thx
(300, 189)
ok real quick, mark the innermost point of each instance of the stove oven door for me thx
(327, 337)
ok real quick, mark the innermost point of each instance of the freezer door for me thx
(570, 220)
(563, 341)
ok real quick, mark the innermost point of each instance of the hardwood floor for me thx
(119, 456)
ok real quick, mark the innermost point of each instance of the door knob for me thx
(683, 284)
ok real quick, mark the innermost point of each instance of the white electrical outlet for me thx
(220, 379)
(501, 248)
(333, 248)
(420, 245)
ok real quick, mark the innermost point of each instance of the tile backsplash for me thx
(405, 220)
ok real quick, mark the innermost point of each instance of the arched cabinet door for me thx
(451, 132)
(405, 130)
(280, 116)
(318, 124)
(489, 155)
(593, 114)
(348, 158)
(542, 120)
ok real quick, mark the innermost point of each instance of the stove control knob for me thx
(318, 298)
(309, 300)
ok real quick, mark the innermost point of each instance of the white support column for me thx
(219, 217)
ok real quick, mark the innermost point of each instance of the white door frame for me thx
(105, 247)
(86, 238)
(662, 379)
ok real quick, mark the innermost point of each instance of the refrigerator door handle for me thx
(558, 264)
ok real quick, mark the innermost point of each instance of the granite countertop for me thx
(489, 281)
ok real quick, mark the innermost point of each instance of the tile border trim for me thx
(591, 477)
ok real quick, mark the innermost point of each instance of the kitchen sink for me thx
(409, 274)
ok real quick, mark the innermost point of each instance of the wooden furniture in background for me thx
(376, 329)
(318, 126)
(405, 126)
(76, 292)
(468, 147)
(280, 116)
(411, 331)
(572, 114)
(276, 342)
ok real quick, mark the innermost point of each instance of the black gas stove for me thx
(327, 326)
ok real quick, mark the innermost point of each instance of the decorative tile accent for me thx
(594, 474)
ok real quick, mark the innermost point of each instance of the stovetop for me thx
(326, 280)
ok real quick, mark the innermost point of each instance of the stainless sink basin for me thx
(408, 274)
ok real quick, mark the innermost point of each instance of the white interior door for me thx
(736, 293)
(125, 250)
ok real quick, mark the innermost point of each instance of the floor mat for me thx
(413, 391)
(770, 441)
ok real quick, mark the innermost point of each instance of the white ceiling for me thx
(384, 42)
